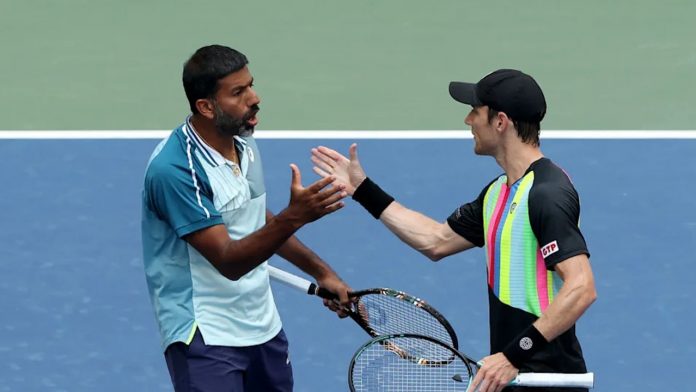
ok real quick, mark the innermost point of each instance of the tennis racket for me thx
(385, 363)
(382, 311)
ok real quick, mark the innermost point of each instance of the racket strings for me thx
(387, 314)
(381, 366)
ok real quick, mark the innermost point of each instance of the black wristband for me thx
(525, 345)
(372, 197)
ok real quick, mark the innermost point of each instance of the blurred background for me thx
(362, 64)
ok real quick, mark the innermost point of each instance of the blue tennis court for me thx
(76, 314)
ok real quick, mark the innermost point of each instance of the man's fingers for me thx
(473, 387)
(353, 150)
(478, 382)
(333, 207)
(332, 154)
(333, 198)
(483, 387)
(322, 164)
(332, 304)
(336, 306)
(296, 176)
(320, 172)
(318, 154)
(321, 183)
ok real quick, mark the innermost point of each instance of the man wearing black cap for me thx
(539, 276)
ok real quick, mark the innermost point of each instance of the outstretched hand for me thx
(319, 199)
(330, 163)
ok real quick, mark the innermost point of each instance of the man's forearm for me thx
(235, 258)
(294, 251)
(415, 229)
(573, 299)
(304, 258)
(565, 311)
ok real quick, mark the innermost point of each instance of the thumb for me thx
(296, 176)
(353, 150)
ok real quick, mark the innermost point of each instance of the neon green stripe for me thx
(506, 241)
(504, 257)
(531, 246)
(193, 332)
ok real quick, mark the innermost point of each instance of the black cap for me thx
(506, 90)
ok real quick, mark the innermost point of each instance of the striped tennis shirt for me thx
(190, 186)
(526, 228)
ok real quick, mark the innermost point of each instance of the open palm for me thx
(348, 172)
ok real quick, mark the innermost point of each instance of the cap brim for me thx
(464, 93)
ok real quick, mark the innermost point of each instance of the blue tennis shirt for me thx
(190, 186)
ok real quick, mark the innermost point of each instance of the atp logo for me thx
(549, 249)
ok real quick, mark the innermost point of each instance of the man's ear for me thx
(206, 108)
(502, 121)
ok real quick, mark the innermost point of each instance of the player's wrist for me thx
(290, 218)
(524, 346)
(373, 198)
(356, 182)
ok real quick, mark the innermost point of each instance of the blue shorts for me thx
(197, 367)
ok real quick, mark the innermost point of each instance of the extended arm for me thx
(433, 239)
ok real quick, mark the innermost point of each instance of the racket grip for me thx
(585, 380)
(321, 292)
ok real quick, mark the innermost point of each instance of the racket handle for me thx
(321, 292)
(299, 283)
(563, 380)
(583, 380)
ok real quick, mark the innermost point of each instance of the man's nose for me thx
(254, 98)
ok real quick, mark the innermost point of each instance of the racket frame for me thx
(559, 380)
(311, 288)
(402, 296)
(385, 340)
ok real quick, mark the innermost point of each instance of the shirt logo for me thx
(512, 207)
(251, 155)
(549, 249)
(526, 343)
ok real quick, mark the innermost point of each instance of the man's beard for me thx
(230, 126)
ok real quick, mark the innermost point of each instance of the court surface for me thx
(76, 315)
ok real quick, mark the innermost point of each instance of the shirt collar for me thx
(211, 154)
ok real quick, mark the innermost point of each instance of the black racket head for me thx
(384, 311)
(408, 362)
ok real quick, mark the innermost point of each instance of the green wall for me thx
(325, 64)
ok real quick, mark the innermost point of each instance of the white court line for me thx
(351, 134)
